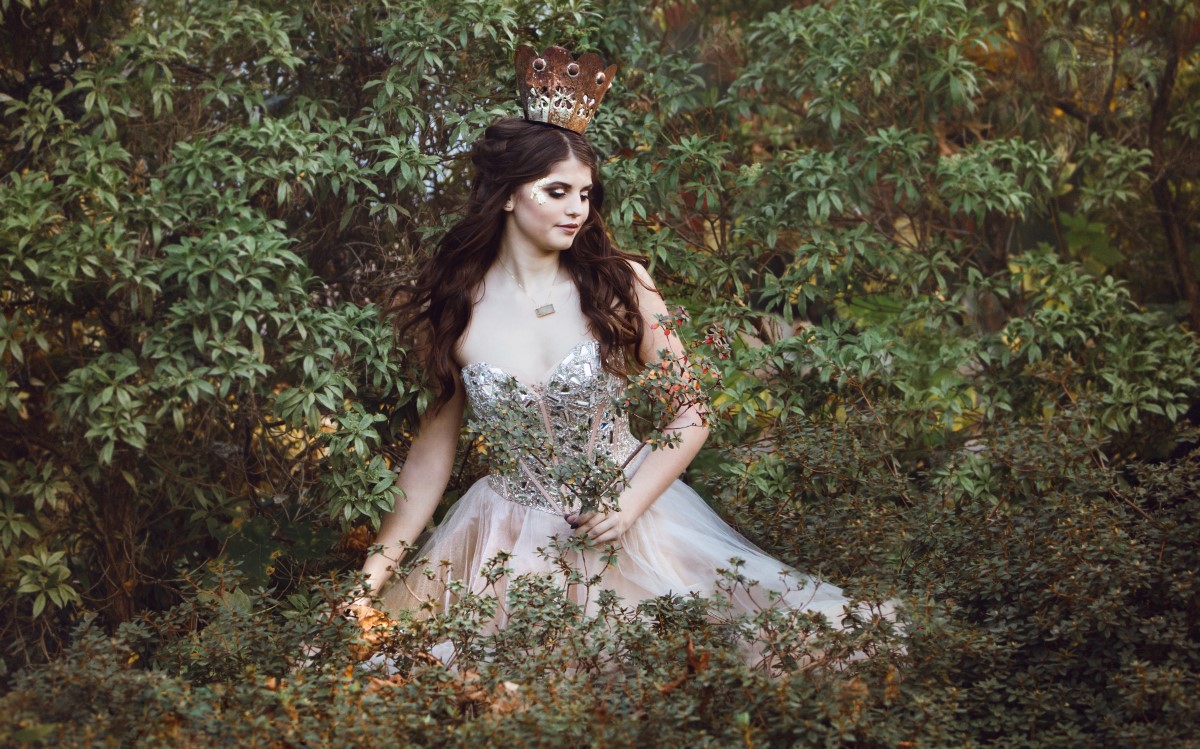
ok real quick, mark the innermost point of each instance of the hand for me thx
(360, 602)
(601, 527)
(362, 610)
(374, 625)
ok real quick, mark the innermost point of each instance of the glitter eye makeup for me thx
(537, 192)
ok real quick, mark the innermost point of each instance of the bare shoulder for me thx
(642, 275)
(650, 301)
(651, 308)
(645, 288)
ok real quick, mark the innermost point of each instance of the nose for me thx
(575, 207)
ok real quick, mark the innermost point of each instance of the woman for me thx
(527, 310)
(527, 306)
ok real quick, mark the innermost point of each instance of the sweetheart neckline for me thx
(546, 378)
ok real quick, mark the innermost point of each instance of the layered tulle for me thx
(678, 546)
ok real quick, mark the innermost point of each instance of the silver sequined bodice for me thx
(574, 406)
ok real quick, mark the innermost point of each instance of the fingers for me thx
(586, 527)
(359, 609)
(600, 527)
(608, 529)
(608, 536)
(579, 518)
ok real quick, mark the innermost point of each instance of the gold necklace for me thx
(541, 310)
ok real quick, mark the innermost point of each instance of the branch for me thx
(1096, 122)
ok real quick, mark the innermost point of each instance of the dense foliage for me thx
(937, 232)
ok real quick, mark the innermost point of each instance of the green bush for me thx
(935, 232)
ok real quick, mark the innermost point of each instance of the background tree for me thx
(936, 232)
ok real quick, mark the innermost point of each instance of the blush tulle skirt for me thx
(678, 546)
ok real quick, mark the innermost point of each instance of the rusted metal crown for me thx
(560, 90)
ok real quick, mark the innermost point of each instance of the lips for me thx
(569, 227)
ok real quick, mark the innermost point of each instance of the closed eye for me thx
(561, 193)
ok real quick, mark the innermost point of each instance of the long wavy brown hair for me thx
(436, 308)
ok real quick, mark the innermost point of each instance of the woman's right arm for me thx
(423, 479)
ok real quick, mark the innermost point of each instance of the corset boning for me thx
(575, 407)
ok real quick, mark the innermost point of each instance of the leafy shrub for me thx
(935, 233)
(237, 667)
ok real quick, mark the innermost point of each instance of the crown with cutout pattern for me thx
(560, 90)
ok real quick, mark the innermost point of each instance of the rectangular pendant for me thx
(545, 309)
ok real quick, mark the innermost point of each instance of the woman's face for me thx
(546, 214)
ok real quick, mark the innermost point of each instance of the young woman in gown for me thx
(533, 240)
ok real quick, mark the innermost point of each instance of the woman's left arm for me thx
(661, 467)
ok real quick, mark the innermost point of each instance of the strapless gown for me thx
(676, 547)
